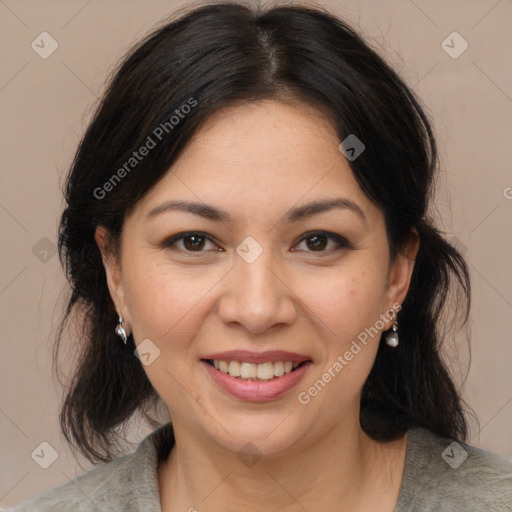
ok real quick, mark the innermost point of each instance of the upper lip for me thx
(270, 356)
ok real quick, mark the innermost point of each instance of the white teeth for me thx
(248, 370)
(234, 368)
(279, 369)
(263, 371)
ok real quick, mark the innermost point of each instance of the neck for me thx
(345, 467)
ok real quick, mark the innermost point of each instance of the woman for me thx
(247, 240)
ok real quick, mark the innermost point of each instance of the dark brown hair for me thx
(222, 55)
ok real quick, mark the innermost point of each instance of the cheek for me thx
(166, 306)
(349, 307)
(163, 300)
(345, 300)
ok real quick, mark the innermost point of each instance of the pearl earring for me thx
(392, 337)
(120, 331)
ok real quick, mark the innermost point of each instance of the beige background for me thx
(46, 103)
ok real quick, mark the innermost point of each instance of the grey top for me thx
(440, 475)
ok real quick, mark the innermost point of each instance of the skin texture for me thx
(257, 161)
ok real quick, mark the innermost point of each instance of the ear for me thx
(113, 272)
(400, 272)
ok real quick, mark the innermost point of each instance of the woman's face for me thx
(256, 280)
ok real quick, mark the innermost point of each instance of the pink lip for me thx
(257, 391)
(270, 356)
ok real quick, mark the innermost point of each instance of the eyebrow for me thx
(295, 214)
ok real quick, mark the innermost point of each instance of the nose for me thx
(257, 296)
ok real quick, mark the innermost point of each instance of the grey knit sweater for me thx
(440, 475)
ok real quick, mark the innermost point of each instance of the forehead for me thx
(266, 134)
(258, 157)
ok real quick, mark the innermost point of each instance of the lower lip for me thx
(257, 391)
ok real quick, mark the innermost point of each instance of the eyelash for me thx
(341, 242)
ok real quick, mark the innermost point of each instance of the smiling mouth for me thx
(263, 372)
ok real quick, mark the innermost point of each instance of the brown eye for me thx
(316, 242)
(194, 242)
(319, 241)
(190, 242)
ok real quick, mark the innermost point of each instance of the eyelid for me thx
(171, 241)
(340, 241)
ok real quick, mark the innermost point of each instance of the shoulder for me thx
(446, 474)
(85, 492)
(126, 483)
